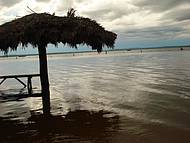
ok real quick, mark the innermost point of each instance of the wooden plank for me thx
(19, 76)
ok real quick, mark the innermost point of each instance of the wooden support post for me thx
(44, 79)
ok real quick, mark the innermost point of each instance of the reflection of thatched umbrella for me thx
(41, 29)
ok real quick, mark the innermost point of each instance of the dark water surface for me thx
(118, 98)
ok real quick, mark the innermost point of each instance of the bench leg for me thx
(20, 82)
(2, 81)
(29, 85)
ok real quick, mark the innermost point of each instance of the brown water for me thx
(119, 98)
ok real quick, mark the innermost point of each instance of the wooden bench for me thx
(28, 76)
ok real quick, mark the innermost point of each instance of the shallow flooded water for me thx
(124, 98)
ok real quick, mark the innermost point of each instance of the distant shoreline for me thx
(148, 49)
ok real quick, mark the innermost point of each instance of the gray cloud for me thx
(178, 14)
(105, 14)
(155, 32)
(151, 19)
(79, 1)
(158, 32)
(160, 5)
(8, 3)
(65, 5)
(163, 28)
(111, 10)
(43, 0)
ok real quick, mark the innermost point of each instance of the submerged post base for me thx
(46, 104)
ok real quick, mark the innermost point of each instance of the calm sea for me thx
(99, 98)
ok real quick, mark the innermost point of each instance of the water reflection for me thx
(15, 95)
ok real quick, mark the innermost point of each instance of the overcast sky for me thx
(138, 23)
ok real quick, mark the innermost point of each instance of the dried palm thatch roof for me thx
(40, 29)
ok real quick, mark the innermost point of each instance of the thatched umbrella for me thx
(40, 29)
